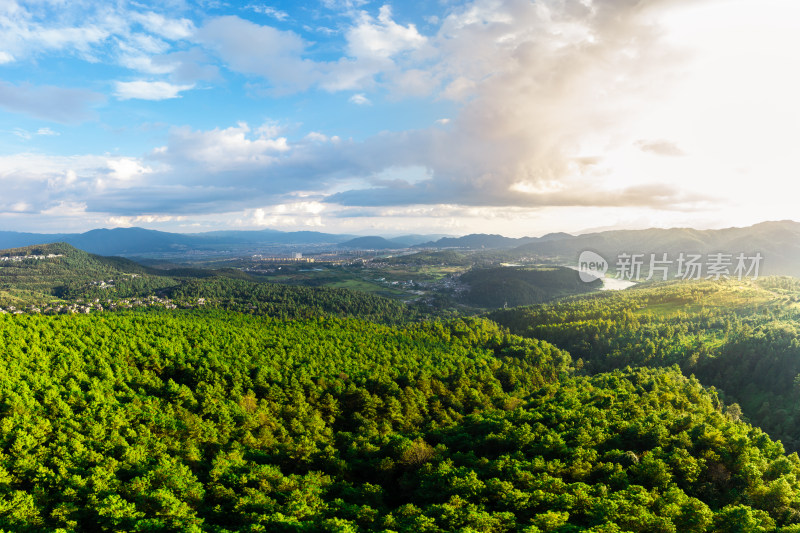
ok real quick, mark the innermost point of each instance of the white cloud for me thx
(42, 181)
(539, 85)
(145, 63)
(382, 38)
(183, 66)
(148, 90)
(459, 89)
(27, 135)
(344, 5)
(39, 167)
(126, 168)
(145, 43)
(378, 53)
(272, 54)
(315, 136)
(93, 31)
(360, 99)
(269, 11)
(48, 102)
(222, 149)
(80, 39)
(291, 214)
(66, 209)
(660, 147)
(373, 46)
(128, 221)
(410, 82)
(20, 207)
(172, 29)
(548, 102)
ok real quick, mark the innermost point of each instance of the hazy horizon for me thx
(377, 118)
(432, 232)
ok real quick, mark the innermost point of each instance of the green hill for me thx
(290, 301)
(741, 338)
(476, 241)
(778, 243)
(41, 273)
(287, 408)
(514, 286)
(210, 422)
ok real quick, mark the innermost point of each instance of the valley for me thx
(437, 390)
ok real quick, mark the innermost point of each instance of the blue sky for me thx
(506, 116)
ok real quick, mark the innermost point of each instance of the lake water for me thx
(612, 284)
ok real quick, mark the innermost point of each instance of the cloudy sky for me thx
(506, 116)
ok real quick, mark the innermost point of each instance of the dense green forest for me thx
(515, 286)
(742, 338)
(209, 421)
(240, 405)
(292, 301)
(69, 273)
(74, 275)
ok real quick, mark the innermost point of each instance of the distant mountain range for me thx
(777, 242)
(139, 241)
(373, 243)
(477, 241)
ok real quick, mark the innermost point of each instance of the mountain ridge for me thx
(777, 241)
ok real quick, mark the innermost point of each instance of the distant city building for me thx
(297, 257)
(18, 258)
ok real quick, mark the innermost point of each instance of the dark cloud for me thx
(660, 196)
(177, 199)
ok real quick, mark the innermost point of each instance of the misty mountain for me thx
(139, 241)
(14, 239)
(411, 240)
(372, 243)
(483, 241)
(117, 241)
(270, 236)
(777, 242)
(131, 241)
(477, 241)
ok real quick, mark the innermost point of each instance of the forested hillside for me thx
(743, 339)
(239, 405)
(226, 422)
(778, 242)
(515, 286)
(40, 275)
(291, 301)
